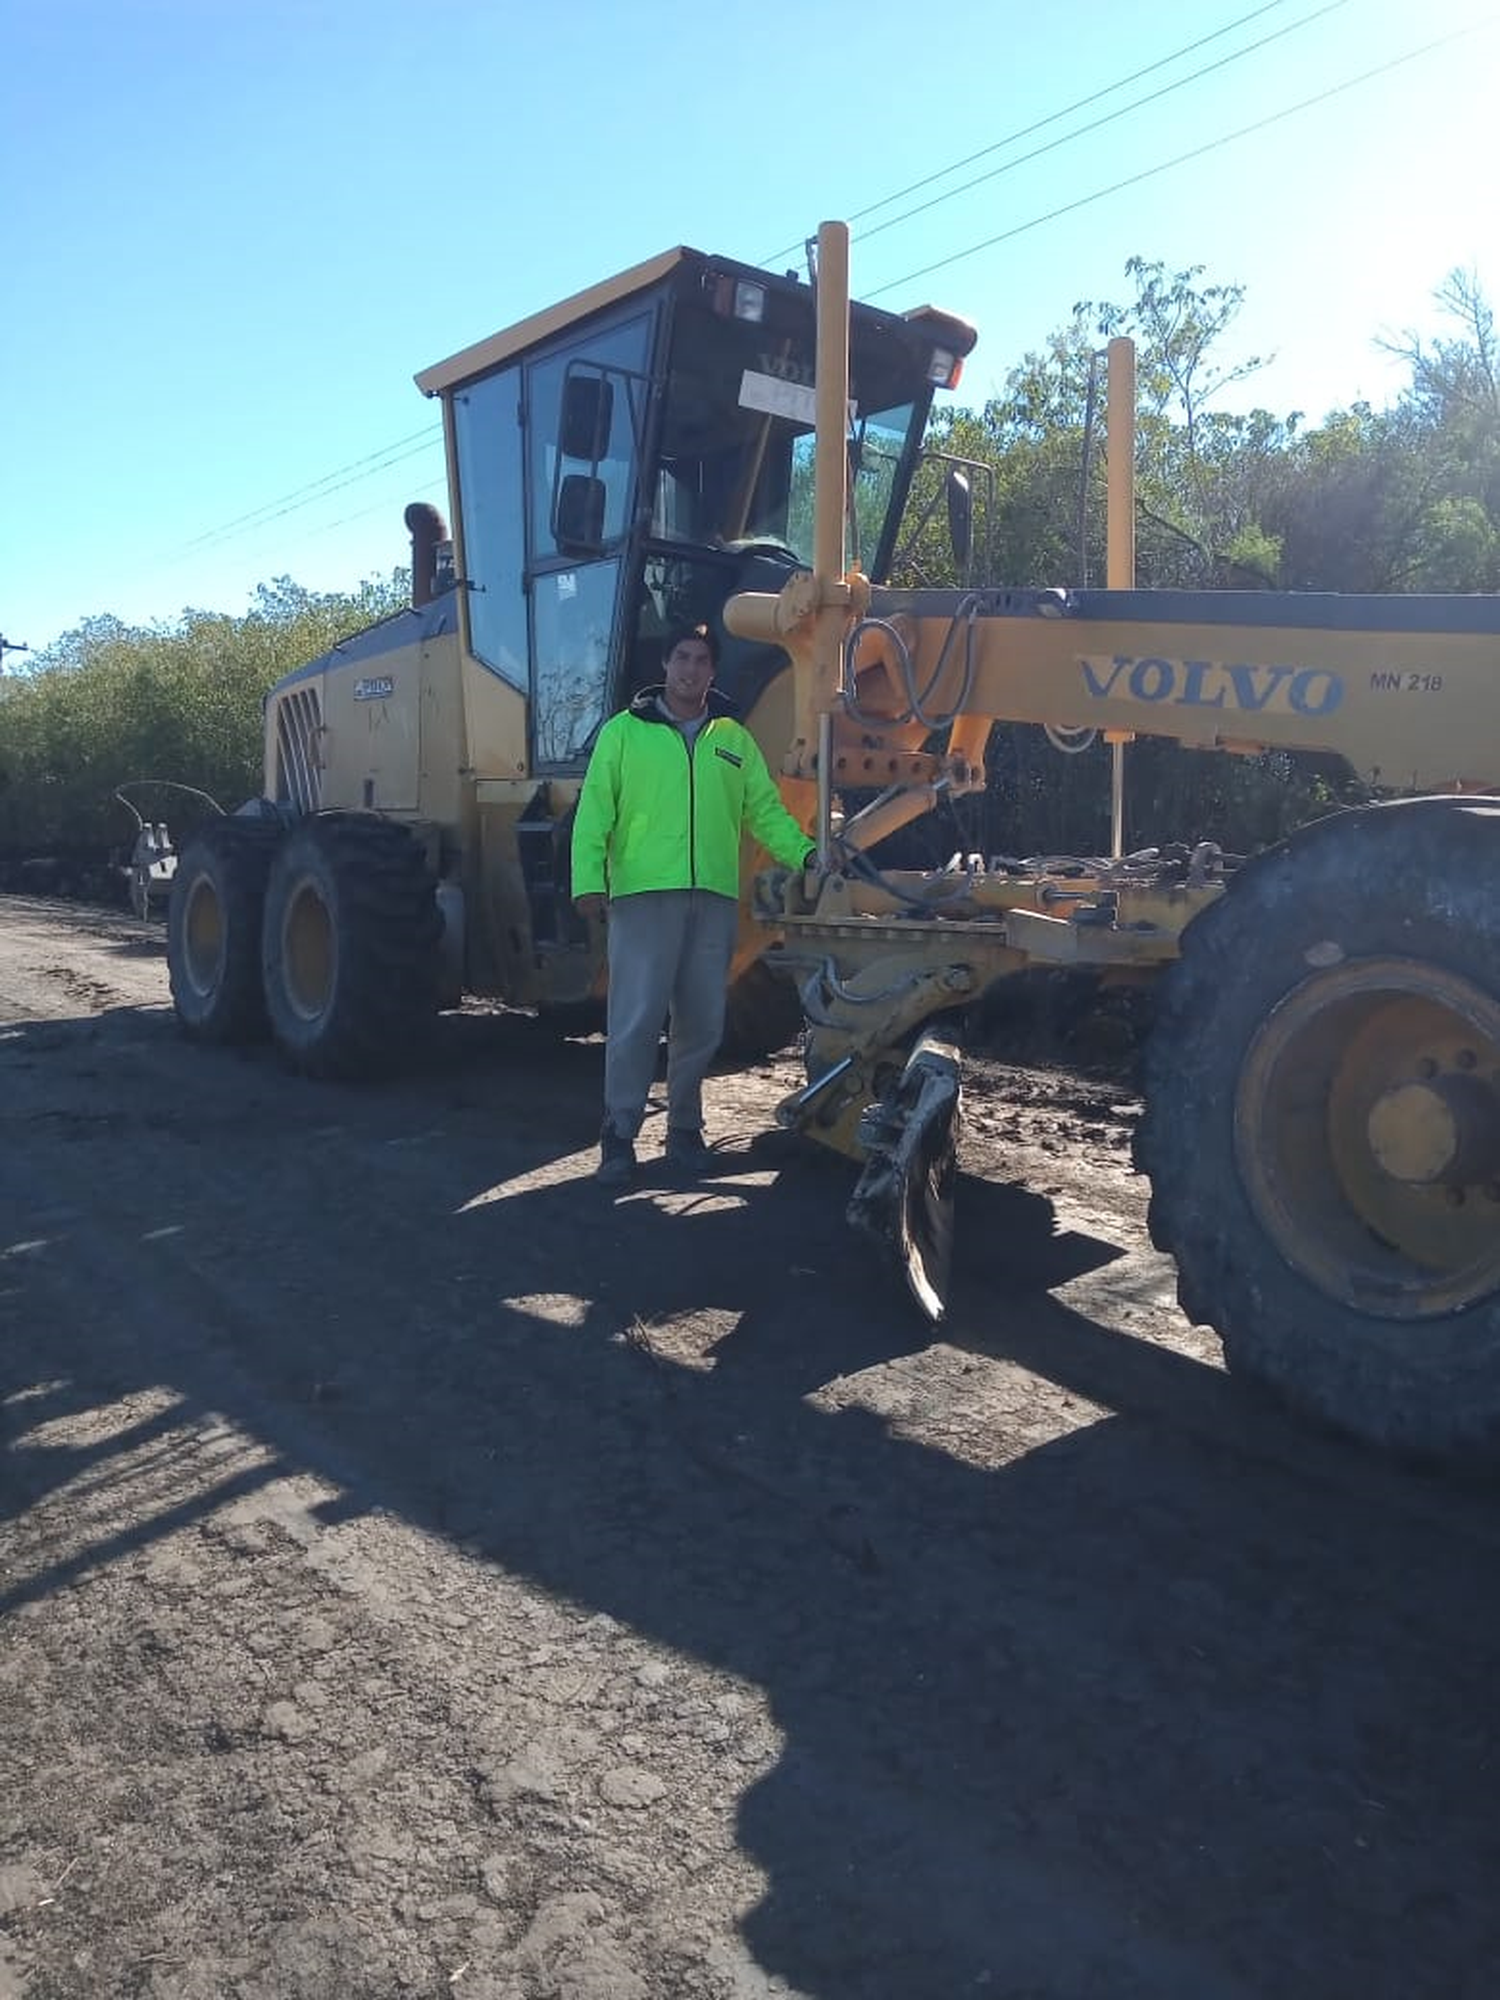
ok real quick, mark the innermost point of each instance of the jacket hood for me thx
(644, 706)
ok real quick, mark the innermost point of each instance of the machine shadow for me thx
(1182, 1703)
(1148, 1710)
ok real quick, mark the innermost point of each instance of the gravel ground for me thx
(422, 1575)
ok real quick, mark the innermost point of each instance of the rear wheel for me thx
(350, 955)
(1322, 1126)
(214, 926)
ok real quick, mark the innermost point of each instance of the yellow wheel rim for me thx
(203, 937)
(309, 952)
(1367, 1135)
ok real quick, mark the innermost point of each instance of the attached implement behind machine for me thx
(1322, 1124)
(152, 866)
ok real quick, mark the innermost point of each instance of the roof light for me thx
(945, 367)
(737, 298)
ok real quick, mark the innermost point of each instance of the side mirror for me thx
(960, 519)
(578, 518)
(588, 410)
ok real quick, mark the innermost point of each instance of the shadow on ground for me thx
(1180, 1703)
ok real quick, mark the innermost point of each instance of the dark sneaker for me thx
(616, 1159)
(686, 1154)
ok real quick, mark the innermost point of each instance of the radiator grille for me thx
(299, 771)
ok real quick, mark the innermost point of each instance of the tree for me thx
(108, 704)
(1406, 498)
(1203, 476)
(1208, 486)
(1459, 376)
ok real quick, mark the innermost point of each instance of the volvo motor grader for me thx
(698, 439)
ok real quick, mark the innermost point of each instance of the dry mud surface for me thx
(422, 1575)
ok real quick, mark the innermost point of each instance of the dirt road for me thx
(425, 1576)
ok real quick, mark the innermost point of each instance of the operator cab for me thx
(624, 463)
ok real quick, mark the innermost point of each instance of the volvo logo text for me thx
(1253, 690)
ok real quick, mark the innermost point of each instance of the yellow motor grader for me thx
(701, 440)
(620, 465)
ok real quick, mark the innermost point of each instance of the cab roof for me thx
(487, 354)
(478, 359)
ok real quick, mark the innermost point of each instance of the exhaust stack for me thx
(431, 553)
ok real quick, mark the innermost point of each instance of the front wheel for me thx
(1322, 1126)
(350, 945)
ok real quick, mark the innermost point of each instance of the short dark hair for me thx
(701, 632)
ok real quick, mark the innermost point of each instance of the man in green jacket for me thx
(673, 782)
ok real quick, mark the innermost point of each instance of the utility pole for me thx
(10, 646)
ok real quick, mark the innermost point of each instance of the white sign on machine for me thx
(774, 397)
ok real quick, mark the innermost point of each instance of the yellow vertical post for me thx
(831, 463)
(1119, 436)
(830, 496)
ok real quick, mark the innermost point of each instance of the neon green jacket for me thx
(653, 815)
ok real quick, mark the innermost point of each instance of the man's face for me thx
(689, 669)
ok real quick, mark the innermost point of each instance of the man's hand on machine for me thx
(813, 871)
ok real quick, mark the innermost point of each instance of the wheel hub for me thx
(1444, 1130)
(1367, 1136)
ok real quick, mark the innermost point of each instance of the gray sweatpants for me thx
(669, 953)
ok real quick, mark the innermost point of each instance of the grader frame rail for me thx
(1322, 1092)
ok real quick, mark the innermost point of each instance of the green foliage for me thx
(110, 704)
(1406, 499)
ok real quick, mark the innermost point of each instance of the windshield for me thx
(735, 465)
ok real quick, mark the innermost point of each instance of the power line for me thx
(295, 507)
(360, 469)
(1181, 159)
(1097, 124)
(363, 468)
(301, 496)
(422, 493)
(1040, 124)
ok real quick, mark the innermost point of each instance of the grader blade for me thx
(904, 1199)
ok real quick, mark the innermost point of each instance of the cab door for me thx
(587, 405)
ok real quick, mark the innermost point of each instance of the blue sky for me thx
(233, 230)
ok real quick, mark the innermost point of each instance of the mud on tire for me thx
(214, 930)
(349, 950)
(1336, 1007)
